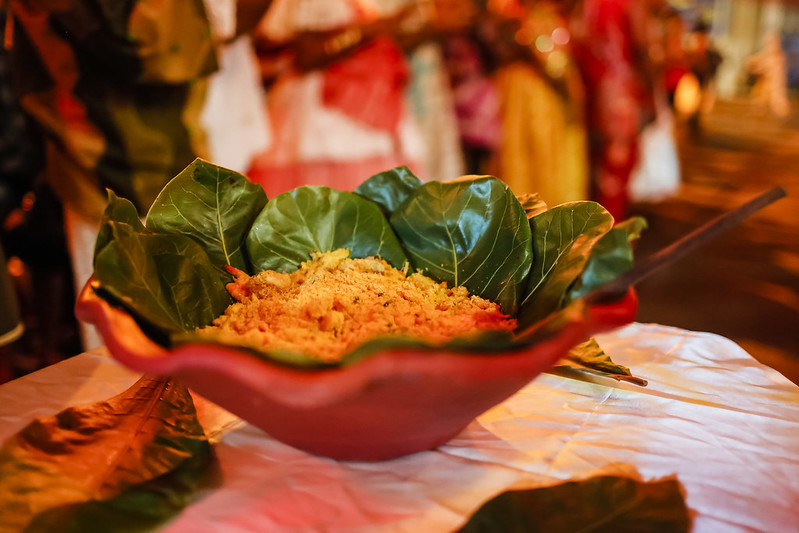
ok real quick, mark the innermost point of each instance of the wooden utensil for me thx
(680, 248)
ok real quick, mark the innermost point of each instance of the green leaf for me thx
(320, 219)
(118, 210)
(166, 279)
(589, 354)
(391, 188)
(472, 233)
(212, 205)
(601, 504)
(564, 237)
(590, 357)
(611, 257)
(125, 464)
(532, 203)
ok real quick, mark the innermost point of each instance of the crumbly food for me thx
(334, 303)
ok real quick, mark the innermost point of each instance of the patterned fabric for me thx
(118, 86)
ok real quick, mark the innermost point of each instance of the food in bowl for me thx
(156, 283)
(334, 303)
(472, 234)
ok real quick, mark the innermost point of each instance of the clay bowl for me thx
(392, 403)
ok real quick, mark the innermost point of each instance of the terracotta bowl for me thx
(393, 403)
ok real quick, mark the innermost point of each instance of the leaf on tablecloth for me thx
(601, 504)
(590, 357)
(125, 464)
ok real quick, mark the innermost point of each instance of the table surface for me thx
(725, 425)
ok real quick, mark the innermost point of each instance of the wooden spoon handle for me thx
(678, 249)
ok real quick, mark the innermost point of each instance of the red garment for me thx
(605, 49)
(338, 126)
(341, 175)
(369, 84)
(673, 76)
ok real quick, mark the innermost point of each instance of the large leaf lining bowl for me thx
(151, 290)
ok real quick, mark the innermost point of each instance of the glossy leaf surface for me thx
(121, 211)
(166, 279)
(611, 257)
(391, 188)
(320, 219)
(564, 237)
(212, 205)
(472, 233)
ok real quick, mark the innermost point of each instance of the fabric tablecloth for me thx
(725, 425)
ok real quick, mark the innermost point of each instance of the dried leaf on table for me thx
(590, 357)
(125, 464)
(601, 504)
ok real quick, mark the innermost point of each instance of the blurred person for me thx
(543, 146)
(704, 61)
(35, 263)
(769, 66)
(620, 58)
(422, 34)
(657, 174)
(337, 106)
(17, 169)
(475, 100)
(120, 94)
(675, 62)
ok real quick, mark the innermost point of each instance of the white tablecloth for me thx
(725, 425)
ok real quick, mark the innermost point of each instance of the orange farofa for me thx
(334, 303)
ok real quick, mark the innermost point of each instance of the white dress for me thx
(317, 143)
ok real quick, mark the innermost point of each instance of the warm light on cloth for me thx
(724, 424)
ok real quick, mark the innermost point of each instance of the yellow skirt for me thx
(544, 150)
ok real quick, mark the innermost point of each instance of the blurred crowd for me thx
(570, 99)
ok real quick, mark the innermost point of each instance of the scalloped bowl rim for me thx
(215, 371)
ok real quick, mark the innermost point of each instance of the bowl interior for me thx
(392, 403)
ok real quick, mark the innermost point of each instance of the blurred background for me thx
(672, 110)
